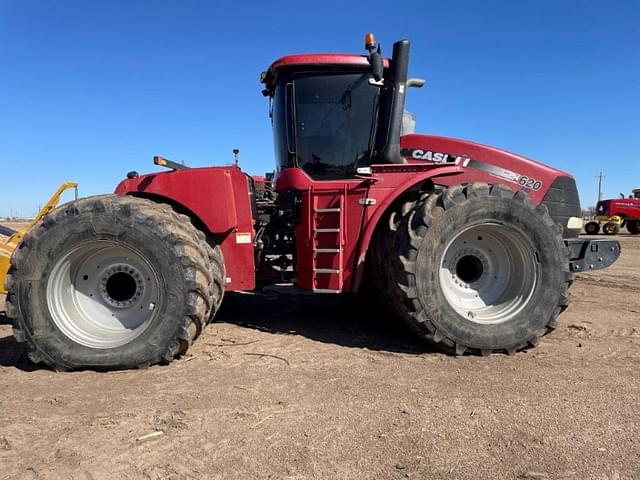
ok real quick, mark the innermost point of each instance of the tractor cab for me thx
(334, 115)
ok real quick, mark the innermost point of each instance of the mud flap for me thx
(586, 255)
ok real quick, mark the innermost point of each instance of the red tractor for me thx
(473, 247)
(615, 214)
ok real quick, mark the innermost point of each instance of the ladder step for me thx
(327, 210)
(332, 279)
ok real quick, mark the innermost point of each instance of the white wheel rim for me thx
(488, 273)
(102, 294)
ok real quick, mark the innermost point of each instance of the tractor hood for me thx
(482, 163)
(489, 164)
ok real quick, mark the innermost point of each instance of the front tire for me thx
(112, 282)
(592, 228)
(480, 269)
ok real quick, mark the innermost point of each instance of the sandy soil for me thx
(303, 387)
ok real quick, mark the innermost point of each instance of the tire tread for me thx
(202, 260)
(399, 289)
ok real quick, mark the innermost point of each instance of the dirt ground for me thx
(302, 387)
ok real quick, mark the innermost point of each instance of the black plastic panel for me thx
(563, 202)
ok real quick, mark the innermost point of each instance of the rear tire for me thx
(611, 228)
(633, 227)
(592, 228)
(480, 269)
(112, 282)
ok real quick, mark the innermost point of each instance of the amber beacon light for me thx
(370, 41)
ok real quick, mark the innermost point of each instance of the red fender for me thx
(429, 173)
(217, 198)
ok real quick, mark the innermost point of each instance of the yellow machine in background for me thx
(15, 238)
(611, 224)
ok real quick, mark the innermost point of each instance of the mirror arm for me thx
(416, 82)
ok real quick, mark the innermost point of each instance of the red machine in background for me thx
(472, 246)
(615, 214)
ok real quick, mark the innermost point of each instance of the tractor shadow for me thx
(12, 353)
(345, 320)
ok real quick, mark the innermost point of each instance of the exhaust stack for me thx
(399, 71)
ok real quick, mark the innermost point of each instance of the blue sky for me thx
(90, 90)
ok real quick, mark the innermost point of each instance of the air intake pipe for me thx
(399, 72)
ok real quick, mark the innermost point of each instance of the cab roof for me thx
(345, 60)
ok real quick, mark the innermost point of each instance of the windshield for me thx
(603, 207)
(335, 115)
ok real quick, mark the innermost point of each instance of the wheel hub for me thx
(469, 269)
(469, 266)
(121, 285)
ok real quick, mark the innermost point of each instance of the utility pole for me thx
(600, 177)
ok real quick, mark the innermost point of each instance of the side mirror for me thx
(377, 66)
